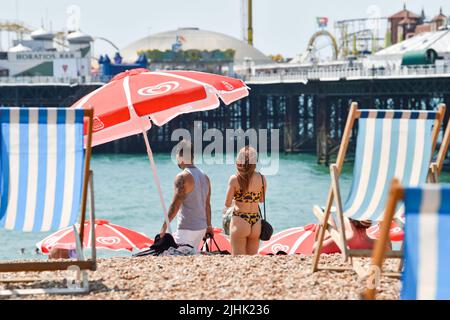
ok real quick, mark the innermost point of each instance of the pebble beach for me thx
(214, 278)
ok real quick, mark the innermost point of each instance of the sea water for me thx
(126, 194)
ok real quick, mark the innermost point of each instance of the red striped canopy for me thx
(133, 99)
(108, 236)
(395, 232)
(291, 241)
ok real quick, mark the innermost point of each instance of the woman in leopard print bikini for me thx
(246, 189)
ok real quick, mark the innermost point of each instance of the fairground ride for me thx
(354, 38)
(322, 46)
(13, 30)
(16, 30)
(360, 36)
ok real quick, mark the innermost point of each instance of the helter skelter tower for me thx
(247, 21)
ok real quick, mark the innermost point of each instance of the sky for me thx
(280, 26)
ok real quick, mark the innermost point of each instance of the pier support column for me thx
(291, 124)
(243, 105)
(322, 123)
(255, 106)
(254, 110)
(366, 103)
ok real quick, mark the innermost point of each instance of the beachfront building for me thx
(406, 24)
(430, 49)
(45, 55)
(194, 49)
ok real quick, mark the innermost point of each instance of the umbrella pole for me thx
(155, 176)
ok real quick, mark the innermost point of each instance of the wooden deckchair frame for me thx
(81, 264)
(442, 151)
(334, 195)
(396, 194)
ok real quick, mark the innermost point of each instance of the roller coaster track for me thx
(20, 28)
(15, 26)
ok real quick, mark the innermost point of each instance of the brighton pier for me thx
(309, 108)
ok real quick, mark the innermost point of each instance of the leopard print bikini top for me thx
(247, 197)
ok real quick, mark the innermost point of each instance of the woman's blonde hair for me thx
(246, 165)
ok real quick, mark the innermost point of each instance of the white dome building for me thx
(19, 48)
(42, 34)
(79, 37)
(194, 38)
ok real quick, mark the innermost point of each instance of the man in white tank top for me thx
(191, 200)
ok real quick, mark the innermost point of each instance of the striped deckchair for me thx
(442, 151)
(427, 245)
(390, 143)
(44, 177)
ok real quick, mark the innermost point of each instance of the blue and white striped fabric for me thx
(41, 173)
(389, 144)
(427, 243)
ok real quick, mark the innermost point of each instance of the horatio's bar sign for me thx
(45, 55)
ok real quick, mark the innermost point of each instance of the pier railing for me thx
(276, 76)
(39, 80)
(356, 73)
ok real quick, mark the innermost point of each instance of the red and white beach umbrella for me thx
(223, 242)
(128, 102)
(395, 232)
(108, 236)
(132, 100)
(291, 241)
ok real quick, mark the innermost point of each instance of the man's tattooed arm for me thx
(178, 196)
(177, 200)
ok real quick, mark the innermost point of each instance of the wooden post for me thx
(92, 217)
(352, 116)
(89, 113)
(446, 139)
(395, 194)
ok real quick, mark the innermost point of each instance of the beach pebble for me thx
(205, 277)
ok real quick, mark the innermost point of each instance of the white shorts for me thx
(191, 237)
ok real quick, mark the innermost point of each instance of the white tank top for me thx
(192, 215)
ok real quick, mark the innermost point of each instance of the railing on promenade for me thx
(276, 76)
(38, 80)
(335, 73)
